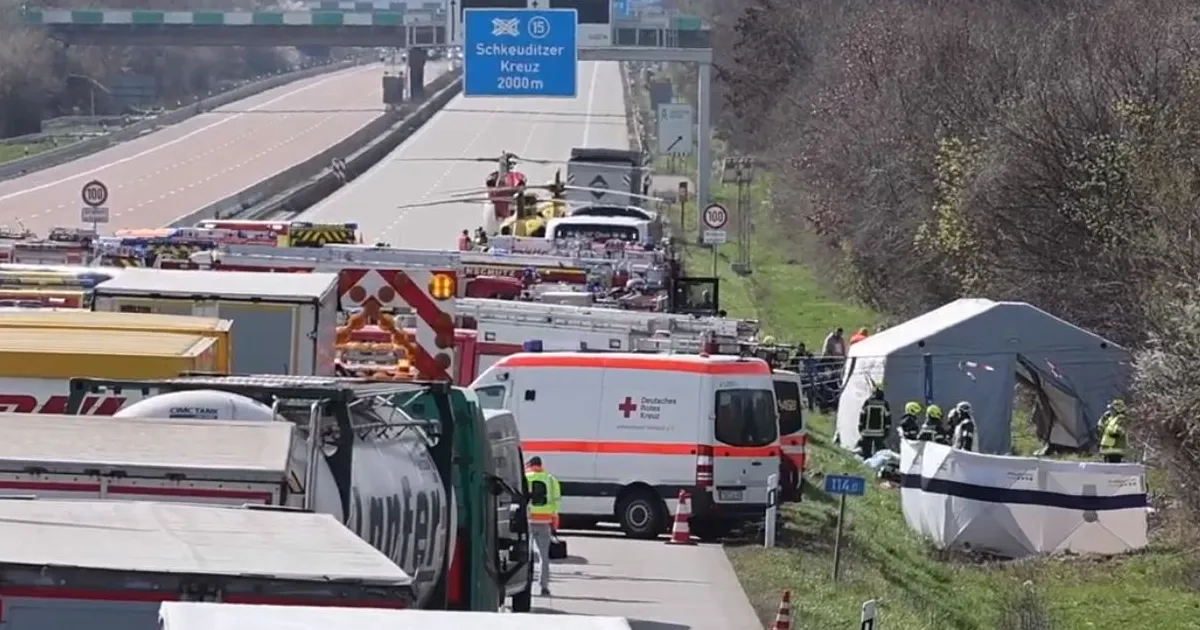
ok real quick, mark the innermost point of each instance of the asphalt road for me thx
(654, 585)
(163, 175)
(436, 160)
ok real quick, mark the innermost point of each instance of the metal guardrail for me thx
(76, 150)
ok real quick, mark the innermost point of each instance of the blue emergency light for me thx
(533, 345)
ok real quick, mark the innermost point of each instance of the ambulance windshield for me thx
(491, 397)
(746, 417)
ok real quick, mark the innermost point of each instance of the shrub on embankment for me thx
(40, 78)
(1014, 149)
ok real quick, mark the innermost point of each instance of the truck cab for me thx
(620, 170)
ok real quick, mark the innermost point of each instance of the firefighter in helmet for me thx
(874, 422)
(933, 429)
(910, 422)
(1112, 434)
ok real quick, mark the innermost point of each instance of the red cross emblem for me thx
(627, 407)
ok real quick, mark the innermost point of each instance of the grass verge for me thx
(10, 152)
(918, 588)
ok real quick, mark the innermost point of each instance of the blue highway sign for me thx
(520, 52)
(845, 484)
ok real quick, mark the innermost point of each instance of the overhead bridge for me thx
(424, 26)
(240, 28)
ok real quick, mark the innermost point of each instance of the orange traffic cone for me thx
(681, 534)
(783, 618)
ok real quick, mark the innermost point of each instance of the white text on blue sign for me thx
(520, 52)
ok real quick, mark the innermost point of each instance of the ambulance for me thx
(625, 432)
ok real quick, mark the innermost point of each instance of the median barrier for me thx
(76, 150)
(301, 186)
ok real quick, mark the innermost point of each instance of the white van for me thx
(508, 463)
(625, 432)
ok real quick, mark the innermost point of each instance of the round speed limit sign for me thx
(95, 193)
(715, 216)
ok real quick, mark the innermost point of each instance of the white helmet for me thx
(963, 407)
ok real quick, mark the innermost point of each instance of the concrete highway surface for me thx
(166, 174)
(654, 585)
(436, 160)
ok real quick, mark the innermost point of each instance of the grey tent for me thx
(978, 350)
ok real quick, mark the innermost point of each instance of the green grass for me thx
(780, 293)
(10, 152)
(918, 588)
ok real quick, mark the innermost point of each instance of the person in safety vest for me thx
(874, 422)
(545, 501)
(964, 434)
(932, 430)
(1116, 406)
(1112, 439)
(910, 423)
(464, 241)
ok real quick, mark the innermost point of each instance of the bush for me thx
(1015, 149)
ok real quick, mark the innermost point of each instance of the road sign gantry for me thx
(520, 52)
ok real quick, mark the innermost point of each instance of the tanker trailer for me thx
(390, 472)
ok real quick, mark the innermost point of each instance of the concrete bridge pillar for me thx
(416, 73)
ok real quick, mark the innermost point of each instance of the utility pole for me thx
(740, 172)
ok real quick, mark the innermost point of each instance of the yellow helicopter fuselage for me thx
(534, 222)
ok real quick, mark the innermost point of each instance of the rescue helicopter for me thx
(498, 186)
(502, 184)
(529, 207)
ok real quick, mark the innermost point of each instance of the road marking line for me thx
(155, 148)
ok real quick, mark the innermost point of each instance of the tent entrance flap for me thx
(1058, 409)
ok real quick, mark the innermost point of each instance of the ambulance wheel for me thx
(642, 515)
(523, 601)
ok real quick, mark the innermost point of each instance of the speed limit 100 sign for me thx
(94, 193)
(715, 216)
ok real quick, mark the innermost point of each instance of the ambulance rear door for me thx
(789, 402)
(556, 407)
(745, 431)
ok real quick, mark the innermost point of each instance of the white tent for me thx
(1021, 506)
(977, 350)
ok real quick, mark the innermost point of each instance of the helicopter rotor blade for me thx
(441, 202)
(479, 192)
(609, 191)
(446, 159)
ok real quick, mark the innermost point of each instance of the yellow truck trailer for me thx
(76, 319)
(61, 353)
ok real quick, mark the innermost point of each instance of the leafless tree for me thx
(1015, 149)
(33, 68)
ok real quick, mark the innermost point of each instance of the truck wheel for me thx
(642, 515)
(523, 601)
